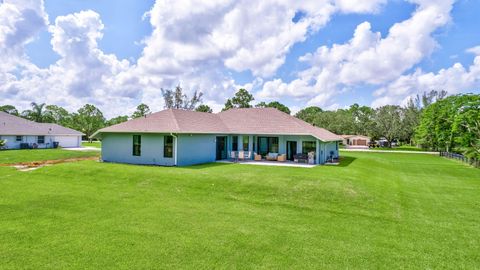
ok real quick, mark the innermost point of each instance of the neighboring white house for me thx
(355, 141)
(18, 132)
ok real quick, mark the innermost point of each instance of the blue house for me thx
(179, 138)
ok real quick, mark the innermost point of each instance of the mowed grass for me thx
(376, 210)
(29, 155)
(96, 144)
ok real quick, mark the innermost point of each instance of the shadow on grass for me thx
(345, 161)
(206, 166)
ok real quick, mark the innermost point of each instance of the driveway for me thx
(390, 151)
(83, 149)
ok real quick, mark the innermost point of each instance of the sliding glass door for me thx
(267, 145)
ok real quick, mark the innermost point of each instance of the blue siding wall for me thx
(196, 149)
(191, 149)
(118, 148)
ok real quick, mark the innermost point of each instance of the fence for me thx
(472, 161)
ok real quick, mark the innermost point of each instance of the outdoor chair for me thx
(282, 158)
(247, 155)
(257, 157)
(241, 155)
(233, 156)
(300, 158)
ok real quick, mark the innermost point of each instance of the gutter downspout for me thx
(175, 147)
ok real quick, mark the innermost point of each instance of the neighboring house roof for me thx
(14, 125)
(351, 136)
(234, 121)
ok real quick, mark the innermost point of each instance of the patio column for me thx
(318, 152)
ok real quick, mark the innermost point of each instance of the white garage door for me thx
(68, 141)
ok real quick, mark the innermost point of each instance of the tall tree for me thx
(466, 127)
(388, 122)
(308, 114)
(361, 118)
(204, 108)
(89, 119)
(274, 104)
(411, 118)
(451, 124)
(176, 99)
(58, 115)
(10, 109)
(241, 99)
(116, 120)
(141, 111)
(37, 113)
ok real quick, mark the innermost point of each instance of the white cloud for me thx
(474, 50)
(454, 80)
(84, 74)
(198, 47)
(367, 58)
(20, 22)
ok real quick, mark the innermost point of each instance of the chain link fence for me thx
(471, 161)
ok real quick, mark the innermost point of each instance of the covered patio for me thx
(270, 163)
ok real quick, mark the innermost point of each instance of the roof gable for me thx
(14, 125)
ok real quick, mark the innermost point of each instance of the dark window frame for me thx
(234, 143)
(312, 148)
(168, 146)
(18, 137)
(42, 140)
(137, 145)
(246, 142)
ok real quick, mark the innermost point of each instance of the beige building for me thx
(355, 140)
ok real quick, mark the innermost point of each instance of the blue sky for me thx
(163, 58)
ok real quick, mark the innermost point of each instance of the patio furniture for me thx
(272, 156)
(247, 155)
(311, 158)
(241, 155)
(282, 158)
(234, 156)
(300, 158)
(257, 157)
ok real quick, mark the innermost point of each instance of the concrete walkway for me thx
(83, 149)
(390, 151)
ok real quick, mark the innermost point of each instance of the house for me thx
(179, 137)
(19, 133)
(356, 141)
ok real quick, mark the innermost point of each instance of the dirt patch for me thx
(29, 166)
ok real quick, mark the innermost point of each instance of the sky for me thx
(326, 53)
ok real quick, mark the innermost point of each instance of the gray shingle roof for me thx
(235, 121)
(14, 125)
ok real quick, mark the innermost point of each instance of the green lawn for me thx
(15, 156)
(377, 210)
(95, 144)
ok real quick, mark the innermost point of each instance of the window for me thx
(235, 143)
(246, 140)
(273, 144)
(41, 139)
(18, 138)
(267, 145)
(168, 146)
(137, 145)
(308, 147)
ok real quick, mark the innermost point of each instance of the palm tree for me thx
(37, 113)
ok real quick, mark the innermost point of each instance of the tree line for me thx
(432, 121)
